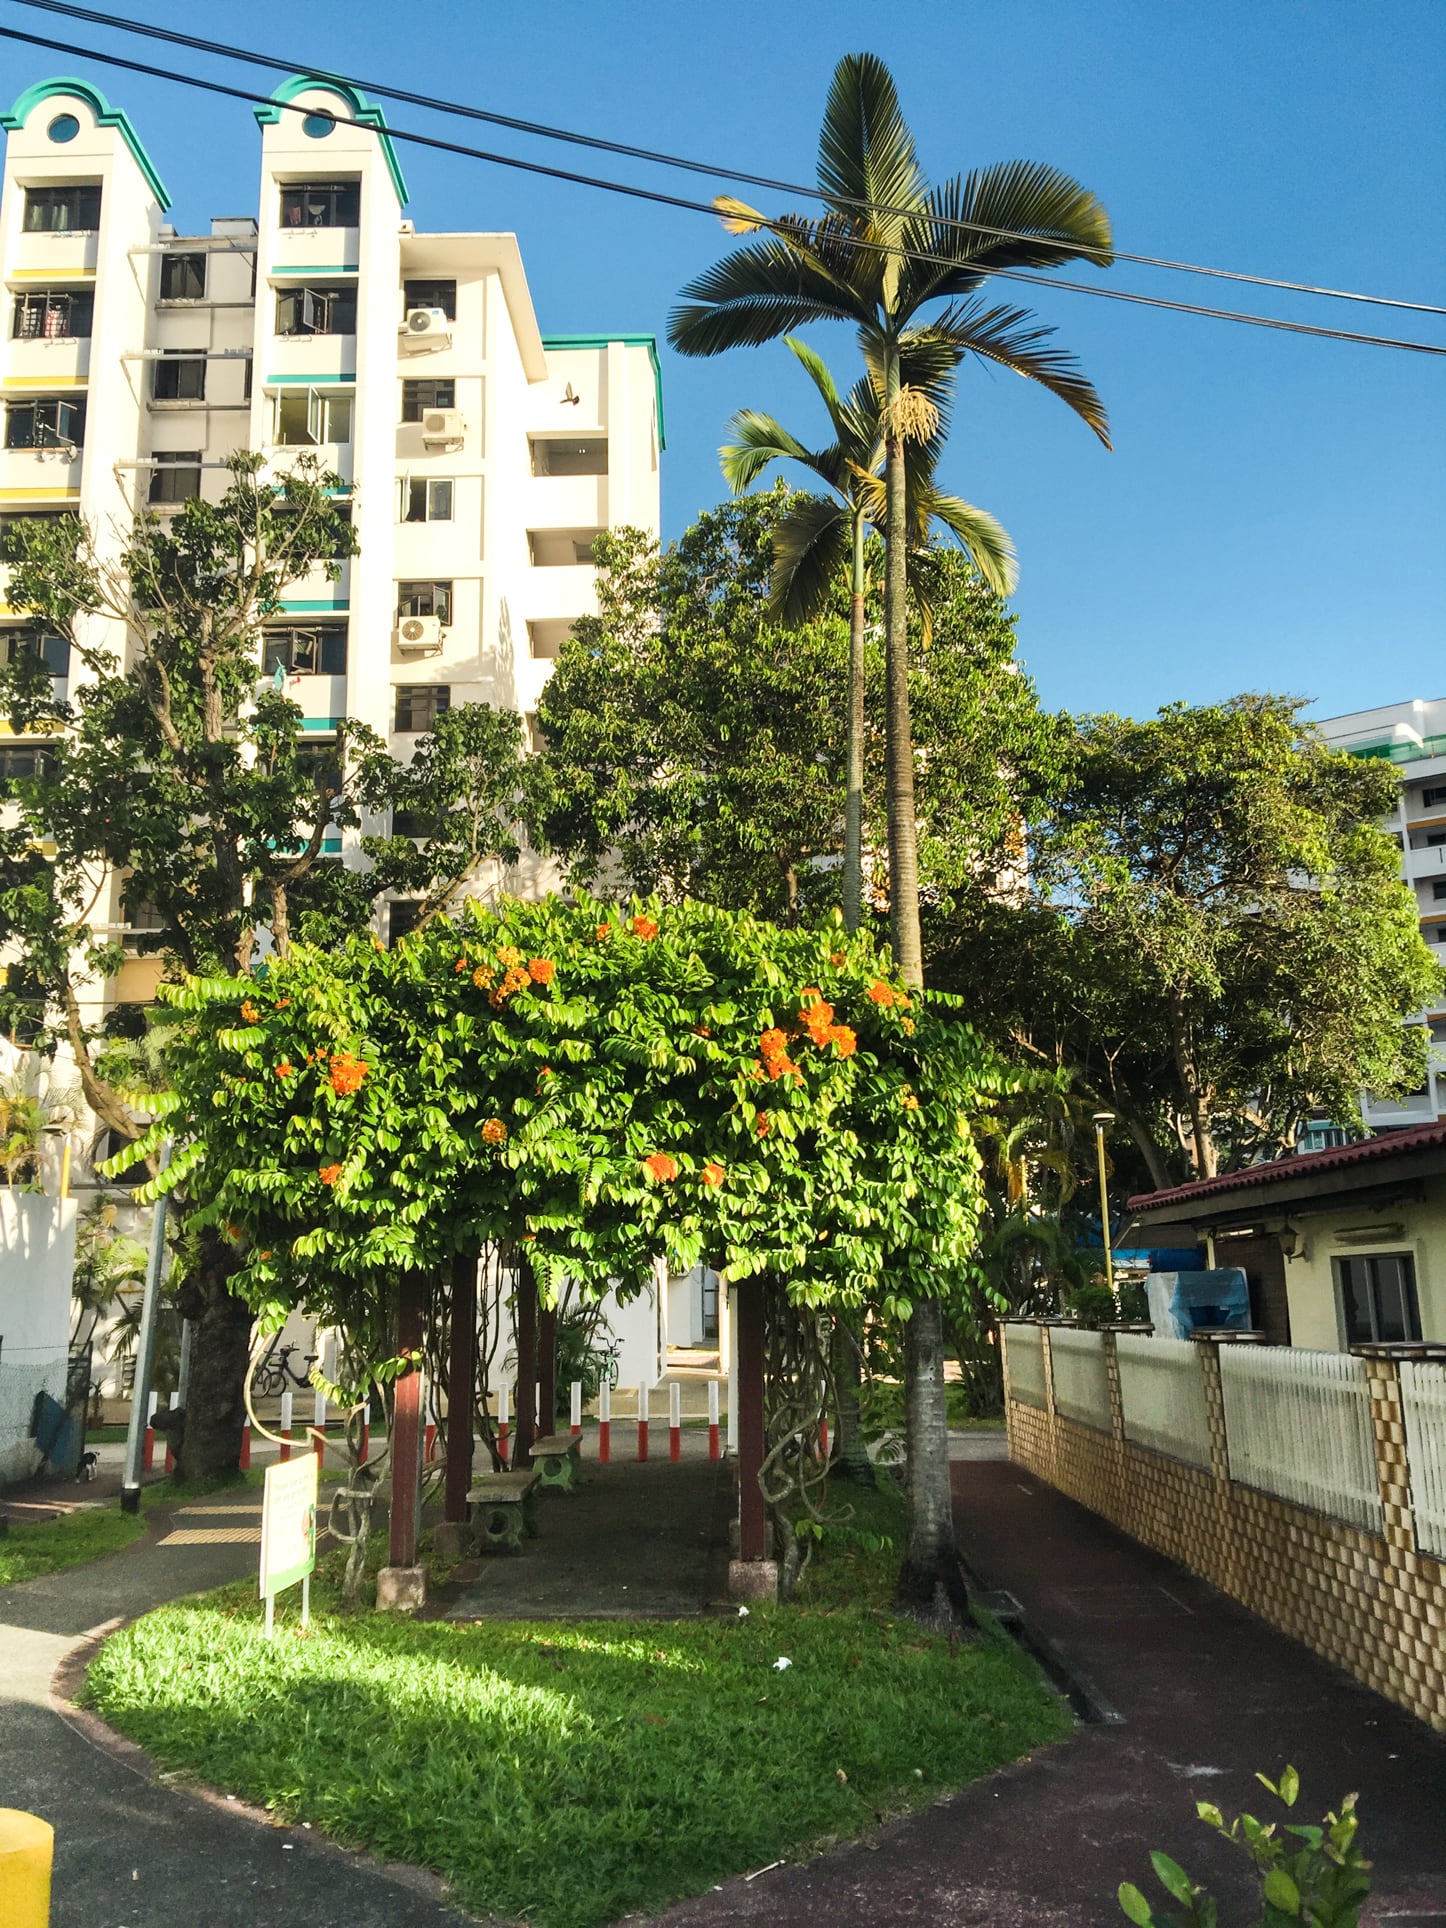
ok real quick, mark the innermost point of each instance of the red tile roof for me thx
(1389, 1144)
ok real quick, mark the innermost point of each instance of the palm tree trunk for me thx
(853, 869)
(931, 1585)
(903, 835)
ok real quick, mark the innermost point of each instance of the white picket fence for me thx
(1298, 1424)
(1162, 1393)
(1024, 1354)
(1423, 1396)
(1081, 1378)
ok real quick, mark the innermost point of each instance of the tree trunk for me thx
(853, 866)
(851, 1460)
(209, 1446)
(903, 834)
(931, 1585)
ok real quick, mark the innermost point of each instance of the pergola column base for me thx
(453, 1540)
(401, 1589)
(753, 1579)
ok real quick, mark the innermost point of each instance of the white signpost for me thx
(288, 1533)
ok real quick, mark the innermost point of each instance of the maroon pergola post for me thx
(752, 1519)
(525, 1420)
(461, 1380)
(406, 1442)
(546, 1370)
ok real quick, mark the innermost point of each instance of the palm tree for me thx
(820, 534)
(885, 249)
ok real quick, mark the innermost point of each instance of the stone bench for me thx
(501, 1509)
(555, 1460)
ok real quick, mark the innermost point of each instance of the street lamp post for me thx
(1101, 1119)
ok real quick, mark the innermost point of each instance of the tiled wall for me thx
(1374, 1605)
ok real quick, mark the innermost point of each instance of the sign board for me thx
(288, 1531)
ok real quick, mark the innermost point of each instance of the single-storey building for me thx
(1341, 1247)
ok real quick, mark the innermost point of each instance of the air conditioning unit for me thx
(419, 635)
(442, 427)
(425, 328)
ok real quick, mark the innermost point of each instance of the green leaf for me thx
(1172, 1877)
(1289, 1786)
(1282, 1893)
(1135, 1906)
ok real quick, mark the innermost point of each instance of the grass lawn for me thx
(91, 1532)
(567, 1773)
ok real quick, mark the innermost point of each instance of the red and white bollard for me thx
(286, 1424)
(675, 1422)
(429, 1442)
(823, 1439)
(642, 1423)
(575, 1421)
(318, 1420)
(712, 1419)
(604, 1423)
(503, 1429)
(366, 1440)
(148, 1438)
(246, 1443)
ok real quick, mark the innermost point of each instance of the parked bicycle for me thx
(276, 1372)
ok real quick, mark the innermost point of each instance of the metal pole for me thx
(1101, 1119)
(183, 1371)
(145, 1353)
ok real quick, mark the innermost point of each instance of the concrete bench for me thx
(555, 1459)
(501, 1507)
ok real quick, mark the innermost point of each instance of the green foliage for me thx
(1322, 1882)
(26, 1552)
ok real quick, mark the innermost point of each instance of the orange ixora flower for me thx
(482, 976)
(701, 1031)
(330, 1174)
(249, 1012)
(509, 955)
(845, 1039)
(908, 1025)
(285, 1068)
(883, 994)
(838, 959)
(497, 998)
(773, 1043)
(764, 1125)
(282, 1003)
(347, 1073)
(660, 1166)
(541, 970)
(713, 1173)
(644, 927)
(909, 1101)
(459, 966)
(514, 979)
(604, 932)
(494, 1132)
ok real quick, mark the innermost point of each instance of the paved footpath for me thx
(129, 1852)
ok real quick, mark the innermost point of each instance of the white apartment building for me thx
(1412, 736)
(483, 458)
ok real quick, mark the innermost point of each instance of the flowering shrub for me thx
(660, 1166)
(347, 1073)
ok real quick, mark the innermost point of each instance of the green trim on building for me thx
(362, 113)
(650, 342)
(321, 725)
(105, 114)
(313, 608)
(310, 381)
(325, 267)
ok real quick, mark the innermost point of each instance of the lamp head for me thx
(1103, 1118)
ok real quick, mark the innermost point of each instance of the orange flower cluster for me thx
(882, 994)
(249, 1012)
(773, 1047)
(845, 1039)
(494, 1132)
(645, 928)
(604, 932)
(285, 1068)
(541, 970)
(838, 959)
(459, 966)
(713, 1173)
(282, 1003)
(330, 1174)
(764, 1125)
(347, 1073)
(909, 1101)
(483, 976)
(661, 1167)
(817, 1019)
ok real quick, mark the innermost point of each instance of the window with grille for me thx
(45, 423)
(321, 204)
(23, 760)
(420, 704)
(431, 294)
(418, 397)
(317, 650)
(73, 207)
(428, 500)
(183, 277)
(179, 378)
(317, 310)
(1377, 1295)
(176, 476)
(425, 599)
(53, 314)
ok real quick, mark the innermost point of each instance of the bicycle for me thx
(276, 1372)
(608, 1355)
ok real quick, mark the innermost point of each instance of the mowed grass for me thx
(28, 1551)
(564, 1774)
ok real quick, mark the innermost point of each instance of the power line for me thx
(662, 199)
(544, 132)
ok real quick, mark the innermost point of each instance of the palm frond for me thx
(759, 292)
(818, 373)
(1014, 338)
(865, 149)
(810, 551)
(989, 544)
(1018, 214)
(760, 440)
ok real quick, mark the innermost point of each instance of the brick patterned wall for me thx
(1375, 1606)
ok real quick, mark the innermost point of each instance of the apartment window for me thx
(9, 549)
(46, 423)
(536, 741)
(558, 455)
(1433, 796)
(19, 760)
(1378, 1298)
(71, 208)
(183, 277)
(1438, 890)
(316, 311)
(1438, 1031)
(24, 640)
(419, 396)
(53, 314)
(431, 294)
(176, 476)
(1435, 839)
(427, 500)
(321, 204)
(420, 704)
(308, 417)
(403, 915)
(425, 599)
(179, 378)
(561, 548)
(317, 650)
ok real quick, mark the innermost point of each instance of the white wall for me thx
(37, 1258)
(1310, 1279)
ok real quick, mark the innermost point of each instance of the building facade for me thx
(482, 458)
(1412, 737)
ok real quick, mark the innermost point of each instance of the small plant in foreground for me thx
(1323, 1882)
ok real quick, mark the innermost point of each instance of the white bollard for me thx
(576, 1420)
(604, 1423)
(642, 1423)
(712, 1419)
(675, 1421)
(504, 1408)
(286, 1424)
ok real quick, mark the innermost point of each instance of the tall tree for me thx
(886, 248)
(822, 537)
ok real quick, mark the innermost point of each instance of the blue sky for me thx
(1274, 512)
